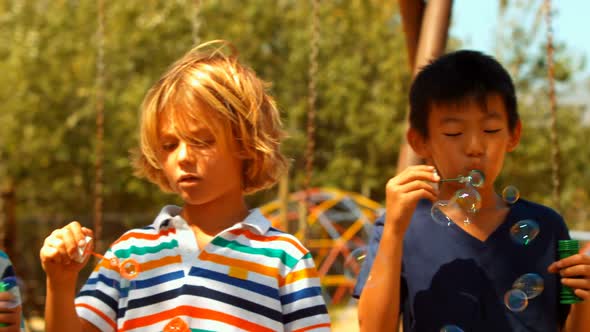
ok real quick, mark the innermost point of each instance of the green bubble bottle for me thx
(566, 248)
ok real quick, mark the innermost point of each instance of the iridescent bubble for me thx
(510, 194)
(114, 262)
(468, 199)
(516, 300)
(129, 268)
(354, 261)
(476, 178)
(531, 284)
(438, 215)
(451, 328)
(524, 231)
(176, 325)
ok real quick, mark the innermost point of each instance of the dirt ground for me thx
(344, 319)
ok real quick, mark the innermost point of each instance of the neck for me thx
(213, 217)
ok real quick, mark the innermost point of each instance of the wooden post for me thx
(426, 28)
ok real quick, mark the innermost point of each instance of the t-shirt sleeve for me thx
(97, 301)
(301, 297)
(370, 256)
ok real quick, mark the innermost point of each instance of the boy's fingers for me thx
(580, 270)
(577, 283)
(417, 186)
(77, 231)
(424, 173)
(70, 243)
(583, 294)
(577, 259)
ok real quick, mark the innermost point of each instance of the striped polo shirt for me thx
(250, 277)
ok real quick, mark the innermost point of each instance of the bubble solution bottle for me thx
(566, 248)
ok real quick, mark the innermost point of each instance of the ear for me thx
(514, 137)
(418, 142)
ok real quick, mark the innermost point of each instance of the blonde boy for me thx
(210, 133)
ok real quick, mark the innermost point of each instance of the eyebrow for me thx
(489, 115)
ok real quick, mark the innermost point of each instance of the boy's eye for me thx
(169, 146)
(452, 134)
(492, 131)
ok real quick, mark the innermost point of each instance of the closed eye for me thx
(492, 131)
(169, 146)
(452, 134)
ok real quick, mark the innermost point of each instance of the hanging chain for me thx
(312, 94)
(100, 96)
(196, 23)
(555, 152)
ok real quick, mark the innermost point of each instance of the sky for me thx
(473, 21)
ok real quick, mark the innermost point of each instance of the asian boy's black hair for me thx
(458, 77)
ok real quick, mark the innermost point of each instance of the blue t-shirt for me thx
(451, 278)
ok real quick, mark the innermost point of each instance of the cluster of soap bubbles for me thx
(526, 287)
(466, 201)
(128, 268)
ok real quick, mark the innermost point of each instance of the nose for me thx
(475, 145)
(184, 154)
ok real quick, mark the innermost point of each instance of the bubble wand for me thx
(129, 268)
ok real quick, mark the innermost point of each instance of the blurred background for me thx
(73, 74)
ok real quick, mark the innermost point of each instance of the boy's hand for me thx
(59, 255)
(403, 193)
(575, 273)
(10, 312)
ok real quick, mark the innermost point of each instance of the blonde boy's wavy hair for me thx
(206, 86)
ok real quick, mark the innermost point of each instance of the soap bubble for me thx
(531, 284)
(451, 328)
(354, 261)
(129, 268)
(468, 199)
(114, 262)
(437, 212)
(476, 178)
(176, 325)
(516, 300)
(510, 194)
(524, 231)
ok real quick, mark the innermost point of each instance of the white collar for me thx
(254, 220)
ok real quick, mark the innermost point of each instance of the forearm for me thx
(60, 312)
(378, 307)
(579, 318)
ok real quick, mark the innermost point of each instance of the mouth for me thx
(188, 178)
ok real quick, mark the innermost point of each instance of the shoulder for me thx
(159, 229)
(525, 209)
(286, 242)
(258, 231)
(537, 209)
